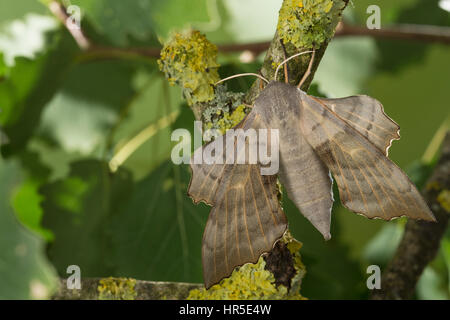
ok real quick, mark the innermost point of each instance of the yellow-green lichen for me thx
(229, 120)
(308, 23)
(253, 281)
(294, 247)
(444, 199)
(116, 289)
(189, 60)
(225, 111)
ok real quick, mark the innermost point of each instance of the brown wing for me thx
(246, 219)
(366, 115)
(245, 223)
(308, 184)
(206, 178)
(304, 176)
(369, 183)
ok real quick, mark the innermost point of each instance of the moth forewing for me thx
(369, 183)
(245, 142)
(269, 151)
(246, 219)
(366, 115)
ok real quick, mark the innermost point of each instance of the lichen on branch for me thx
(225, 110)
(257, 281)
(308, 23)
(117, 289)
(188, 59)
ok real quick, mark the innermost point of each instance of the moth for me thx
(347, 138)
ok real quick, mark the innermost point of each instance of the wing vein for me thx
(246, 226)
(367, 121)
(267, 199)
(215, 245)
(236, 225)
(407, 193)
(226, 231)
(332, 151)
(359, 186)
(257, 211)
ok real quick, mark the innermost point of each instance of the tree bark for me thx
(421, 240)
(139, 290)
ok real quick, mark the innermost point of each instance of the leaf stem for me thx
(134, 143)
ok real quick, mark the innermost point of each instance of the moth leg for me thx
(308, 71)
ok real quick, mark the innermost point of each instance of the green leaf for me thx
(88, 105)
(150, 230)
(419, 172)
(158, 235)
(3, 67)
(24, 271)
(418, 106)
(389, 9)
(445, 249)
(27, 88)
(394, 55)
(26, 199)
(12, 10)
(170, 15)
(434, 283)
(139, 21)
(141, 138)
(331, 273)
(241, 24)
(431, 286)
(78, 210)
(25, 37)
(346, 66)
(382, 247)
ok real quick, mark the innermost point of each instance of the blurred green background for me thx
(66, 115)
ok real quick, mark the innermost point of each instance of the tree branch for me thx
(108, 288)
(412, 32)
(60, 12)
(421, 240)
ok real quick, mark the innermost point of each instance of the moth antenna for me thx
(286, 60)
(286, 74)
(241, 75)
(308, 71)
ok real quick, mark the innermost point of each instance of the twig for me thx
(421, 240)
(424, 33)
(256, 48)
(100, 52)
(416, 32)
(60, 13)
